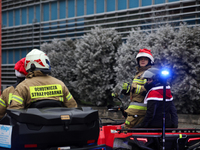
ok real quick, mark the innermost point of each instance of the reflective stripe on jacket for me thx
(136, 95)
(39, 86)
(5, 100)
(138, 85)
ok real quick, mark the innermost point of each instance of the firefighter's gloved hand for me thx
(114, 94)
(126, 88)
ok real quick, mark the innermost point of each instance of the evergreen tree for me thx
(61, 55)
(175, 48)
(95, 54)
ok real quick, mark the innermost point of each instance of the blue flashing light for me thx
(165, 73)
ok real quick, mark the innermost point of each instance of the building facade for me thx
(26, 24)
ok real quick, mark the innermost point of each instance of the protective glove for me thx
(114, 94)
(126, 88)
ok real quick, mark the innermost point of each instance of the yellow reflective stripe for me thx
(127, 122)
(17, 99)
(180, 136)
(128, 89)
(69, 96)
(2, 102)
(10, 98)
(46, 91)
(138, 107)
(139, 81)
(61, 99)
(137, 91)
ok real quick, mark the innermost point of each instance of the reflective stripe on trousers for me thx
(139, 106)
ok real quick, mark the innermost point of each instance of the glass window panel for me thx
(80, 7)
(110, 5)
(159, 1)
(71, 8)
(17, 56)
(4, 57)
(122, 4)
(133, 3)
(46, 12)
(99, 6)
(38, 13)
(30, 14)
(24, 52)
(90, 7)
(10, 57)
(62, 5)
(10, 16)
(4, 18)
(17, 17)
(24, 16)
(54, 10)
(146, 2)
(172, 0)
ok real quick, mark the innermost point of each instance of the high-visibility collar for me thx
(156, 93)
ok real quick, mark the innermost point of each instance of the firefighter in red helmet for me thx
(6, 96)
(137, 109)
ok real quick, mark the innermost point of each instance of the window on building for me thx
(133, 3)
(189, 19)
(122, 4)
(24, 15)
(172, 0)
(30, 14)
(10, 16)
(24, 52)
(99, 6)
(10, 57)
(110, 5)
(37, 8)
(46, 12)
(159, 1)
(146, 2)
(4, 57)
(17, 17)
(71, 24)
(90, 7)
(54, 10)
(17, 55)
(4, 18)
(80, 7)
(71, 8)
(62, 10)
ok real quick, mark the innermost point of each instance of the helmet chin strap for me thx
(32, 68)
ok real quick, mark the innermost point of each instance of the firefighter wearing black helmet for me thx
(154, 101)
(39, 85)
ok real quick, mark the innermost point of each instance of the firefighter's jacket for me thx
(5, 100)
(38, 86)
(137, 94)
